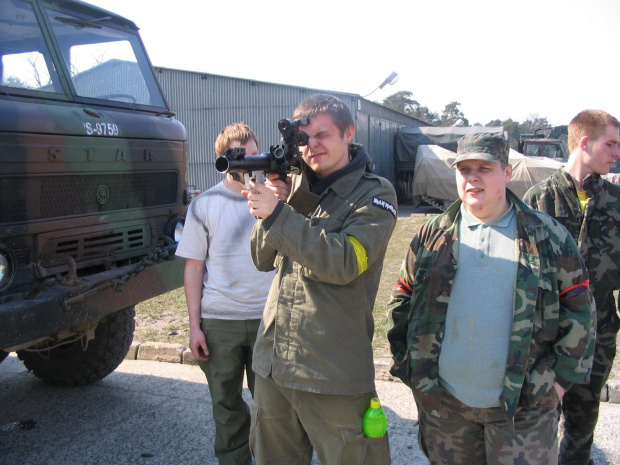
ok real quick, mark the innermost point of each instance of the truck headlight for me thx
(6, 269)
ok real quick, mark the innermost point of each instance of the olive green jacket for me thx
(553, 323)
(596, 231)
(317, 328)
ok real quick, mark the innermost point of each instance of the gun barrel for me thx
(263, 162)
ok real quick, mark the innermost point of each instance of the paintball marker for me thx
(282, 159)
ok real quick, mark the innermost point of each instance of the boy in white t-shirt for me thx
(225, 296)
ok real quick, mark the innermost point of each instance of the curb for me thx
(161, 352)
(178, 353)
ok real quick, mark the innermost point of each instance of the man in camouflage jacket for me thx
(589, 207)
(550, 329)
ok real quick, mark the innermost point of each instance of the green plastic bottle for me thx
(375, 421)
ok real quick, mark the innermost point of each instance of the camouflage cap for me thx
(482, 146)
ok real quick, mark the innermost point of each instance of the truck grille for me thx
(81, 194)
(54, 248)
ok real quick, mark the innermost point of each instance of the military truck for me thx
(424, 172)
(93, 173)
(553, 146)
(550, 146)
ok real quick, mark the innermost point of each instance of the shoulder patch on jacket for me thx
(384, 205)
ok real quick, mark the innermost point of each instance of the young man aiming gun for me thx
(313, 355)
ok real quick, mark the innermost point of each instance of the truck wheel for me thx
(70, 365)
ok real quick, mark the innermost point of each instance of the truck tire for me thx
(70, 365)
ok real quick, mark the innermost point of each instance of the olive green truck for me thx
(93, 187)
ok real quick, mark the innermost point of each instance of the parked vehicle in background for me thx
(549, 146)
(553, 145)
(424, 157)
(93, 172)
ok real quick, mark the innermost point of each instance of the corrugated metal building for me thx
(206, 103)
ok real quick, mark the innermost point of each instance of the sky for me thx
(498, 59)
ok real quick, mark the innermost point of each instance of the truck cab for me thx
(537, 145)
(548, 148)
(93, 173)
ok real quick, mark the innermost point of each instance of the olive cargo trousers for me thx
(287, 424)
(230, 344)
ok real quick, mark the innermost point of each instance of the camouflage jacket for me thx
(596, 231)
(553, 323)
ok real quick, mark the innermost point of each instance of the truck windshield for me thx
(26, 59)
(101, 61)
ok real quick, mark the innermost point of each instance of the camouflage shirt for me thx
(596, 231)
(553, 323)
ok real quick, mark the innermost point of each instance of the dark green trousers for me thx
(580, 404)
(230, 344)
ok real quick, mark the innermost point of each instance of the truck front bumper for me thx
(62, 306)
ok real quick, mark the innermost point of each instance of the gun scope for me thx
(291, 133)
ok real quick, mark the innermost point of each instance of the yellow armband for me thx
(360, 254)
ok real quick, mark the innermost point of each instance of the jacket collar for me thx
(304, 201)
(343, 181)
(524, 215)
(592, 184)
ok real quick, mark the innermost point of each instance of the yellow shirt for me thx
(583, 200)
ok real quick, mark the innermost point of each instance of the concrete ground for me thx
(155, 413)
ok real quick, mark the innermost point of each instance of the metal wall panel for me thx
(362, 129)
(206, 103)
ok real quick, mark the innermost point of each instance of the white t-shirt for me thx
(217, 229)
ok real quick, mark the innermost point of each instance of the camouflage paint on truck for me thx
(93, 169)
